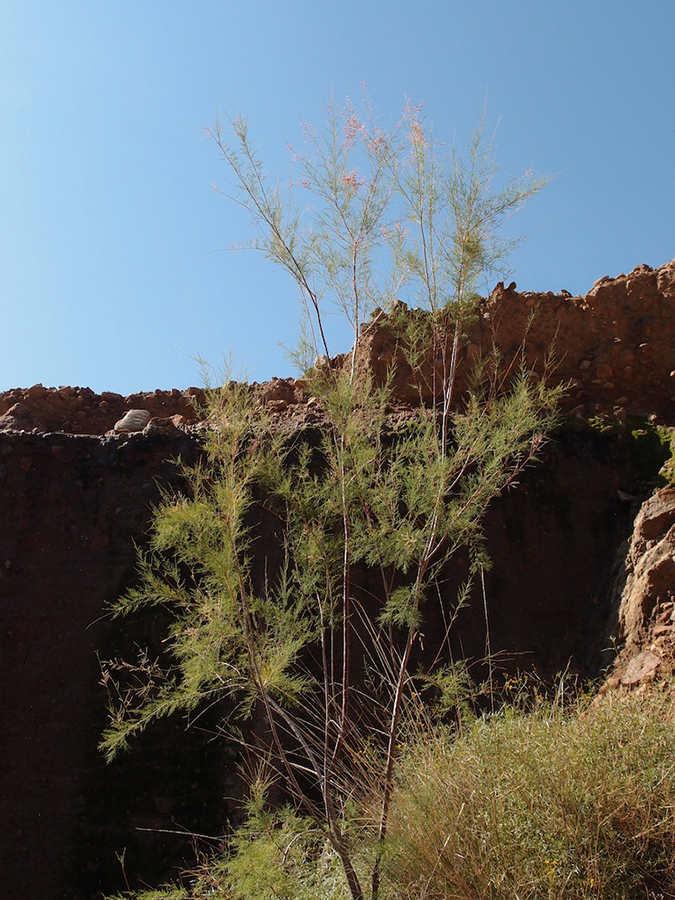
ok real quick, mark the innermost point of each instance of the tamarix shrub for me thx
(284, 627)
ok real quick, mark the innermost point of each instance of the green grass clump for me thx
(548, 805)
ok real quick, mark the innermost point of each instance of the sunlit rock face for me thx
(613, 347)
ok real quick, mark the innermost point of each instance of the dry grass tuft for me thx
(546, 805)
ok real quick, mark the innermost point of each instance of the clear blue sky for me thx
(113, 273)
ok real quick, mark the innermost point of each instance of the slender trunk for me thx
(355, 287)
(346, 605)
(334, 833)
(395, 721)
(389, 771)
(449, 388)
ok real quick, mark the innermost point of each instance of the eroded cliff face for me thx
(75, 494)
(72, 507)
(613, 347)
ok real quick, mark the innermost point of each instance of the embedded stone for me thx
(640, 668)
(164, 424)
(132, 421)
(19, 418)
(277, 405)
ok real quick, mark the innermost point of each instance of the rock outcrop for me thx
(77, 410)
(614, 348)
(644, 595)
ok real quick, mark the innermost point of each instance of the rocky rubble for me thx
(78, 410)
